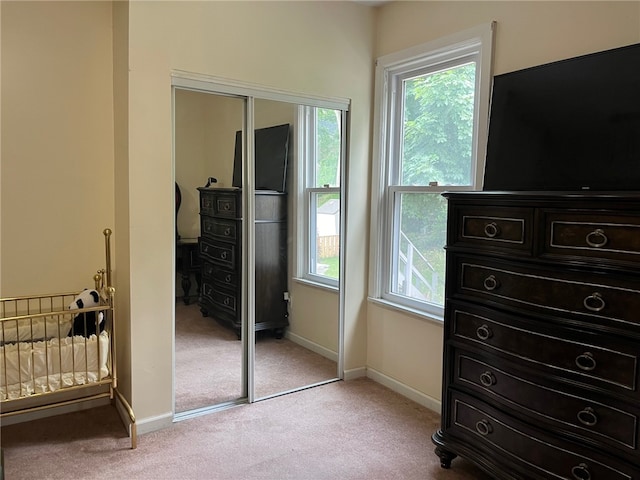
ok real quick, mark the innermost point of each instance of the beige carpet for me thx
(343, 430)
(209, 362)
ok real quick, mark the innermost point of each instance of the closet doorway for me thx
(221, 360)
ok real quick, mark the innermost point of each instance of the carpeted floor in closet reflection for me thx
(208, 365)
(356, 429)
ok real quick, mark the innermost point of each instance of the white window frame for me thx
(476, 44)
(308, 190)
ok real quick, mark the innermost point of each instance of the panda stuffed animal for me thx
(84, 324)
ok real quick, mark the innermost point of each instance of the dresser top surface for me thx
(624, 200)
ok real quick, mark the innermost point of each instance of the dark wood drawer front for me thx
(498, 228)
(220, 275)
(617, 236)
(587, 360)
(224, 277)
(590, 419)
(601, 299)
(220, 254)
(223, 299)
(219, 228)
(215, 203)
(498, 431)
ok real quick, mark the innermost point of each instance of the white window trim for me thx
(479, 38)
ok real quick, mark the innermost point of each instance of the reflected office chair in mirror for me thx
(187, 259)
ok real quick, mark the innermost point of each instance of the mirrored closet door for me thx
(268, 227)
(209, 358)
(305, 352)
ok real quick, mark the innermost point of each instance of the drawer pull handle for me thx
(487, 379)
(586, 362)
(484, 332)
(226, 301)
(597, 238)
(588, 417)
(581, 472)
(491, 230)
(223, 255)
(594, 302)
(227, 231)
(483, 427)
(491, 283)
(227, 279)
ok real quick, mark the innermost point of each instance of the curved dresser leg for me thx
(445, 457)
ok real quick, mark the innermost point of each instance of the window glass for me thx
(418, 253)
(437, 128)
(327, 141)
(325, 210)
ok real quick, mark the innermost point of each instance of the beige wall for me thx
(404, 351)
(57, 144)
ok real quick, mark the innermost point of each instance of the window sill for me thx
(428, 317)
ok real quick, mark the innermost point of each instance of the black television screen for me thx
(272, 150)
(568, 125)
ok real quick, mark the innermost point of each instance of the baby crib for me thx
(53, 356)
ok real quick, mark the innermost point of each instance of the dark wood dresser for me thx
(221, 227)
(542, 335)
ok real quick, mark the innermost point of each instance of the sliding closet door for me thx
(209, 357)
(297, 239)
(261, 314)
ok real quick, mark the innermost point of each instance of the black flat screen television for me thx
(568, 125)
(272, 151)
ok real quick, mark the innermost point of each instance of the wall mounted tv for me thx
(272, 150)
(568, 125)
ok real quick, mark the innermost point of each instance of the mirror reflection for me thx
(208, 355)
(304, 355)
(297, 237)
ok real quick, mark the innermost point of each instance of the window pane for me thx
(437, 136)
(325, 248)
(419, 259)
(327, 166)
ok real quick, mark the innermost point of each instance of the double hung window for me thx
(431, 123)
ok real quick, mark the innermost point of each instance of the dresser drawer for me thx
(578, 356)
(220, 275)
(610, 237)
(219, 203)
(494, 228)
(220, 228)
(596, 299)
(219, 253)
(537, 452)
(546, 403)
(221, 298)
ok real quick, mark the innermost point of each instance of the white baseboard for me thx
(431, 403)
(355, 373)
(314, 347)
(151, 424)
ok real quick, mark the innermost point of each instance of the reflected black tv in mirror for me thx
(568, 125)
(272, 151)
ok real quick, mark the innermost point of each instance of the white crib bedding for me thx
(47, 366)
(36, 328)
